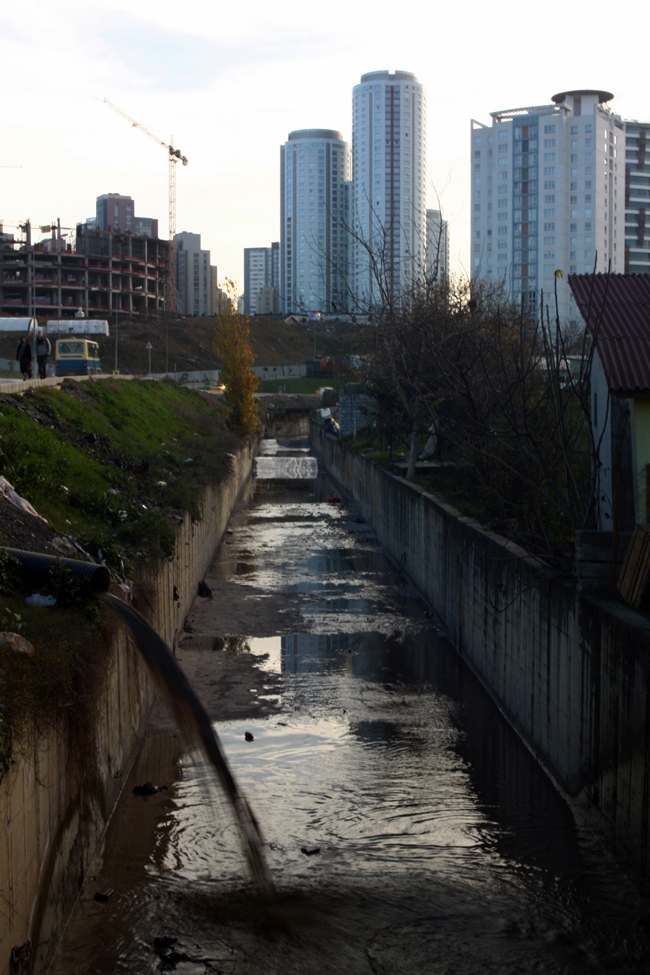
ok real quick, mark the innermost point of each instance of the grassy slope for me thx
(67, 451)
(92, 460)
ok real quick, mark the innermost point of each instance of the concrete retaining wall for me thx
(571, 674)
(53, 812)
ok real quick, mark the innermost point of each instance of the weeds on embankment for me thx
(113, 464)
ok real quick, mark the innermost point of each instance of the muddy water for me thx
(433, 842)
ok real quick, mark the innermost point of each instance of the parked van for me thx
(77, 357)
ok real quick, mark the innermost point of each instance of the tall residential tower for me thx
(315, 168)
(389, 183)
(546, 196)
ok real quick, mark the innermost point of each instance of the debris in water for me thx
(197, 729)
(103, 895)
(334, 499)
(204, 590)
(249, 737)
(310, 851)
(36, 599)
(148, 789)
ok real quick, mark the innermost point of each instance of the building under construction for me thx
(105, 272)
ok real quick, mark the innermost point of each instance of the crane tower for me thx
(175, 156)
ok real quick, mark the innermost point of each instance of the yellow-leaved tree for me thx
(231, 344)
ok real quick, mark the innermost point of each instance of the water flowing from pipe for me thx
(196, 727)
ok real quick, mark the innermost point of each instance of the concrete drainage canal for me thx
(407, 830)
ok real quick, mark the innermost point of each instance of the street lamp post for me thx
(116, 369)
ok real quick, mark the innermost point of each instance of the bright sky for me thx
(231, 80)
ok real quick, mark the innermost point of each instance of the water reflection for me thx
(443, 849)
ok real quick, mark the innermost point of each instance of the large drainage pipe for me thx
(37, 567)
(174, 688)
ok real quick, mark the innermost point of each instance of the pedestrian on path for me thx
(43, 349)
(24, 356)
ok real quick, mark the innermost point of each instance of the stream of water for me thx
(408, 830)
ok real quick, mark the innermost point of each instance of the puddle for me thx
(435, 845)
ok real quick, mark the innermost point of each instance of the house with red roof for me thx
(616, 311)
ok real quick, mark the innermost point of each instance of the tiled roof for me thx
(616, 310)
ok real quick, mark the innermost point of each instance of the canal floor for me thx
(408, 830)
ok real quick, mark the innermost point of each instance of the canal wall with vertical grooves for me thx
(570, 673)
(56, 799)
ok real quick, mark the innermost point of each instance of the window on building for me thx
(549, 170)
(549, 143)
(588, 198)
(503, 134)
(589, 128)
(574, 130)
(549, 226)
(549, 212)
(548, 129)
(549, 157)
(574, 186)
(549, 185)
(549, 198)
(549, 240)
(573, 255)
(574, 228)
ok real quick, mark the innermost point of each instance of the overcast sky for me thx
(231, 80)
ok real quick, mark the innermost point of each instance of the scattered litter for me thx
(104, 895)
(7, 491)
(310, 851)
(334, 499)
(122, 515)
(204, 591)
(188, 460)
(148, 789)
(124, 589)
(249, 737)
(12, 641)
(79, 548)
(64, 488)
(36, 599)
(112, 491)
(161, 484)
(228, 531)
(63, 546)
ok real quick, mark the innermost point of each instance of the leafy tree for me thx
(231, 344)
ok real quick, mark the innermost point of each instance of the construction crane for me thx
(175, 156)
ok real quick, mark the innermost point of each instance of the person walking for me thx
(24, 356)
(43, 349)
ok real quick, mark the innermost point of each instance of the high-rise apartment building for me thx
(315, 167)
(117, 213)
(196, 278)
(261, 270)
(637, 197)
(389, 182)
(546, 196)
(437, 263)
